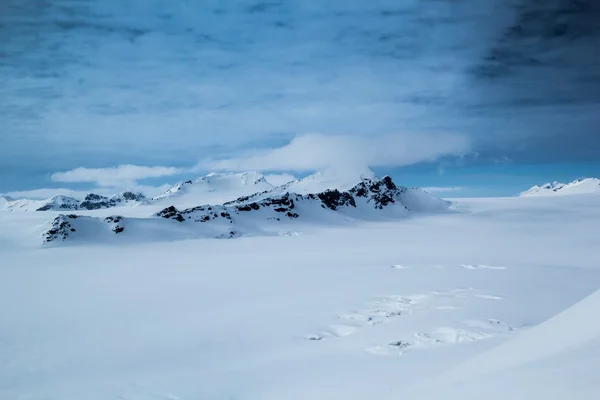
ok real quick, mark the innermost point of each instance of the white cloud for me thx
(442, 189)
(311, 152)
(121, 175)
(280, 179)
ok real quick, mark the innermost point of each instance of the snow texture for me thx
(495, 300)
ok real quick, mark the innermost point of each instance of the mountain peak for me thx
(578, 186)
(217, 187)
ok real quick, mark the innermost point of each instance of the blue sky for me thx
(435, 93)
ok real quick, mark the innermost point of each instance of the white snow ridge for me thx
(215, 188)
(578, 186)
(53, 203)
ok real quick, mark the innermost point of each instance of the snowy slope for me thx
(411, 308)
(214, 188)
(323, 180)
(54, 203)
(371, 199)
(578, 186)
(556, 359)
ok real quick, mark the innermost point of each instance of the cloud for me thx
(114, 176)
(442, 189)
(280, 179)
(311, 152)
(362, 67)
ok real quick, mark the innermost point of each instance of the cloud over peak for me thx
(113, 176)
(310, 152)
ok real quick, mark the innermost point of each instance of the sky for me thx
(467, 98)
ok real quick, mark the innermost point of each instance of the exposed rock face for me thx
(60, 203)
(61, 228)
(95, 201)
(117, 222)
(283, 204)
(197, 214)
(333, 199)
(129, 196)
(378, 192)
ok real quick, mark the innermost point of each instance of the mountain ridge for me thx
(371, 199)
(578, 186)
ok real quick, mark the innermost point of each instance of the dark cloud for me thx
(171, 82)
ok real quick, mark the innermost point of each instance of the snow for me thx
(53, 203)
(262, 214)
(578, 186)
(326, 179)
(497, 299)
(214, 188)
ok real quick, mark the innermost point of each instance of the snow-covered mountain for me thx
(215, 188)
(218, 188)
(53, 203)
(371, 199)
(324, 180)
(578, 186)
(91, 202)
(95, 201)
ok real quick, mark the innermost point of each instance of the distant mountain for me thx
(54, 203)
(578, 186)
(94, 201)
(57, 203)
(60, 203)
(215, 188)
(368, 200)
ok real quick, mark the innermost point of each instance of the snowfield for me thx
(496, 299)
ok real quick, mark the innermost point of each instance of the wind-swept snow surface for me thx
(493, 301)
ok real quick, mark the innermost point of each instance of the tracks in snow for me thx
(385, 308)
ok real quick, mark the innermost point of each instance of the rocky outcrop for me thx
(283, 204)
(117, 223)
(379, 192)
(60, 203)
(60, 229)
(95, 201)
